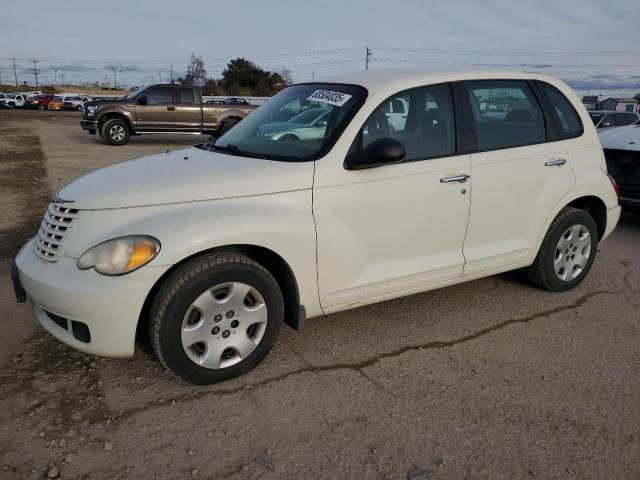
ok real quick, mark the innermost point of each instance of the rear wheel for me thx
(79, 108)
(216, 317)
(41, 107)
(289, 138)
(567, 251)
(115, 131)
(228, 125)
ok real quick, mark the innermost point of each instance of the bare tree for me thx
(196, 73)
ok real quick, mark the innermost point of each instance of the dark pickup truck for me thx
(161, 108)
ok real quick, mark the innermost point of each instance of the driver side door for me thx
(156, 110)
(396, 229)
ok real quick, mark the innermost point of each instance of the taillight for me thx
(616, 188)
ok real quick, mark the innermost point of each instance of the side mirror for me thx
(383, 151)
(322, 123)
(142, 100)
(605, 124)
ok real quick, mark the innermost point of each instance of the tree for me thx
(210, 87)
(287, 78)
(637, 96)
(196, 73)
(262, 88)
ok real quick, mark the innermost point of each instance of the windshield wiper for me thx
(232, 149)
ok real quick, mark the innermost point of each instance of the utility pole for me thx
(105, 80)
(172, 73)
(15, 75)
(313, 72)
(62, 79)
(115, 78)
(121, 79)
(367, 58)
(35, 68)
(55, 77)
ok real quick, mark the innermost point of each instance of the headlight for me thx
(120, 255)
(91, 109)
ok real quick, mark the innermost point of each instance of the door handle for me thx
(462, 178)
(556, 162)
(171, 109)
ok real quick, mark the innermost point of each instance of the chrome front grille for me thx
(55, 230)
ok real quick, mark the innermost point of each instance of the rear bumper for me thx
(89, 124)
(613, 216)
(65, 296)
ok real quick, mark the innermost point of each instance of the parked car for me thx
(214, 247)
(306, 125)
(58, 102)
(622, 151)
(38, 102)
(13, 100)
(612, 118)
(75, 102)
(161, 108)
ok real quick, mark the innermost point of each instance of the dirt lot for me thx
(490, 379)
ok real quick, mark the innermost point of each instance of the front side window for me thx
(300, 123)
(506, 114)
(185, 94)
(621, 119)
(422, 119)
(570, 124)
(159, 96)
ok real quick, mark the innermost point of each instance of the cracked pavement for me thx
(488, 379)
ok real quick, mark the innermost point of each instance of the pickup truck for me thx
(160, 108)
(11, 100)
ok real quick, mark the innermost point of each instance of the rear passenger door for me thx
(518, 175)
(188, 109)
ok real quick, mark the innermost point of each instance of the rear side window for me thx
(186, 94)
(159, 96)
(506, 114)
(568, 120)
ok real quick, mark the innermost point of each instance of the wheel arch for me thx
(595, 207)
(294, 313)
(116, 114)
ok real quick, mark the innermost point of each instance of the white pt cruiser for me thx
(214, 247)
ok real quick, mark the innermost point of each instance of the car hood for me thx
(621, 138)
(186, 175)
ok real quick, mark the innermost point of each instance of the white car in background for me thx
(306, 125)
(622, 151)
(214, 247)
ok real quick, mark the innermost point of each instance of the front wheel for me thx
(567, 251)
(226, 126)
(115, 132)
(216, 317)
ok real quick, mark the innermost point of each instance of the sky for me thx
(591, 44)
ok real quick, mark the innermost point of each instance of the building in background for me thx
(621, 104)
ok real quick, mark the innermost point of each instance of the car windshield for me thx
(595, 117)
(260, 134)
(57, 99)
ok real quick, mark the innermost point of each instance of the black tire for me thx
(179, 291)
(115, 131)
(289, 137)
(79, 108)
(11, 105)
(41, 107)
(228, 125)
(542, 272)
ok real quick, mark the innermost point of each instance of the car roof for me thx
(381, 79)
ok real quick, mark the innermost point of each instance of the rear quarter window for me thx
(568, 121)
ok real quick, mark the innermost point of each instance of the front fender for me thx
(116, 110)
(280, 222)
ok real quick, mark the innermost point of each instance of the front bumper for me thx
(89, 124)
(109, 306)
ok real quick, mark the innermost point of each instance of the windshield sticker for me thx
(331, 97)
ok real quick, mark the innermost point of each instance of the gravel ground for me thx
(489, 379)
